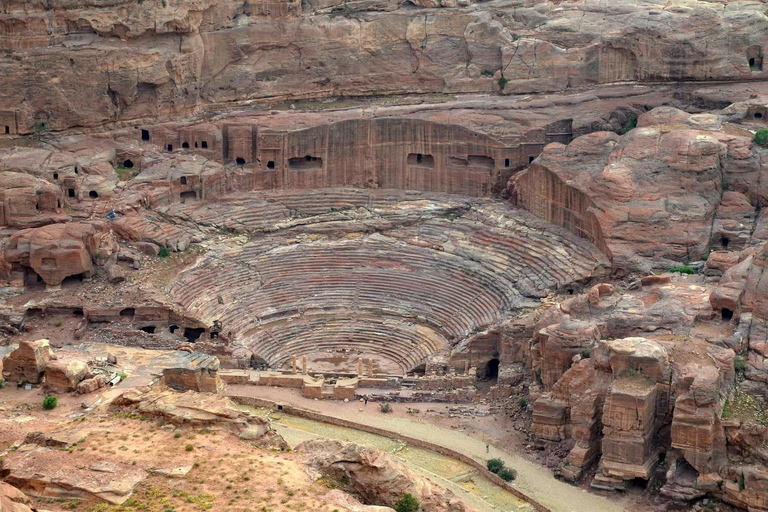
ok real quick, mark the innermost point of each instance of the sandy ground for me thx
(225, 473)
(533, 480)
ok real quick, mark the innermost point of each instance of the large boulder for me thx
(64, 374)
(57, 251)
(27, 363)
(647, 199)
(197, 372)
(12, 499)
(377, 477)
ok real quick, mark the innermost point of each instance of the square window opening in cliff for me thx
(195, 144)
(128, 313)
(185, 145)
(506, 162)
(7, 130)
(55, 175)
(183, 180)
(173, 328)
(78, 312)
(71, 192)
(204, 144)
(531, 159)
(421, 160)
(144, 134)
(306, 163)
(240, 160)
(170, 147)
(149, 329)
(190, 195)
(724, 241)
(726, 314)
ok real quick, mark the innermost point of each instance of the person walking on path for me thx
(487, 447)
(365, 400)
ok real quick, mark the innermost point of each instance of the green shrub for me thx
(631, 124)
(740, 364)
(502, 82)
(507, 474)
(485, 72)
(164, 252)
(538, 378)
(523, 403)
(189, 447)
(2, 383)
(761, 137)
(39, 127)
(684, 269)
(407, 504)
(495, 465)
(50, 402)
(385, 408)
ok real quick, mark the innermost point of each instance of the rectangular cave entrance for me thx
(421, 160)
(189, 195)
(305, 163)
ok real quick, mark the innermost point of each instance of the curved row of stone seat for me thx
(240, 213)
(437, 286)
(405, 345)
(542, 258)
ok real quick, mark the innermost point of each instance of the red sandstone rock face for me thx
(648, 198)
(375, 476)
(26, 201)
(224, 52)
(60, 250)
(27, 363)
(13, 500)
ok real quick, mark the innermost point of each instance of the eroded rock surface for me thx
(375, 476)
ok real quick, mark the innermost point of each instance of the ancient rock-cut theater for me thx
(551, 207)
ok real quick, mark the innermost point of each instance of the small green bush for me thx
(164, 252)
(523, 403)
(740, 364)
(2, 383)
(486, 72)
(495, 465)
(507, 474)
(685, 269)
(385, 408)
(502, 82)
(50, 402)
(407, 504)
(189, 448)
(761, 137)
(631, 124)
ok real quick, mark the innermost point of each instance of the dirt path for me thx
(533, 480)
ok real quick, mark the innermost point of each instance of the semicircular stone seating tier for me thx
(379, 295)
